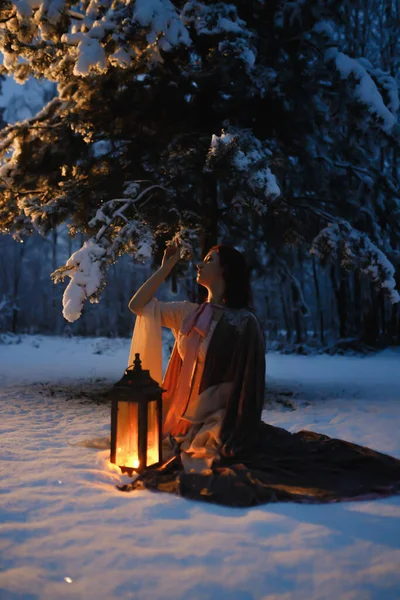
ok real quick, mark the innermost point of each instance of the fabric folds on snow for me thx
(303, 467)
(259, 463)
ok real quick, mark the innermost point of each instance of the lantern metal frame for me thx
(136, 386)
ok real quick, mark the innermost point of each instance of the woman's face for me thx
(209, 271)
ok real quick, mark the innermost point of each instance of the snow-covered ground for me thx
(67, 533)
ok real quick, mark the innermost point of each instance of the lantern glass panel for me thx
(127, 449)
(153, 450)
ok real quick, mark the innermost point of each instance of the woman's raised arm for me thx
(146, 292)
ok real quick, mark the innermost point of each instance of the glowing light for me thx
(152, 455)
(152, 435)
(127, 434)
(68, 579)
(133, 462)
(128, 459)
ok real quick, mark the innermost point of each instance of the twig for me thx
(127, 202)
(134, 200)
(321, 213)
(75, 14)
(119, 214)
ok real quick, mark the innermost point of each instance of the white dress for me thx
(205, 411)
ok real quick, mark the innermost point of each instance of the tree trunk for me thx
(357, 304)
(285, 312)
(296, 309)
(382, 313)
(320, 312)
(19, 251)
(371, 320)
(340, 295)
(55, 295)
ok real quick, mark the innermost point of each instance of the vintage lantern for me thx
(136, 420)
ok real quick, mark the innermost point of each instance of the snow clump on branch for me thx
(95, 36)
(117, 234)
(85, 269)
(366, 90)
(340, 241)
(221, 19)
(248, 161)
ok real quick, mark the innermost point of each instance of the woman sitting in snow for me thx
(214, 397)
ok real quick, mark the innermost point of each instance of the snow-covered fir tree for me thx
(185, 118)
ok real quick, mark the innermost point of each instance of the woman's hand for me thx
(171, 255)
(148, 289)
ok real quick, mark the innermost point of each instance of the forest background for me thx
(280, 136)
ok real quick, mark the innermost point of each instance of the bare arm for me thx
(148, 289)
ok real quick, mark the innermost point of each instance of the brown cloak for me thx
(260, 463)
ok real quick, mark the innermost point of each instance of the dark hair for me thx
(236, 274)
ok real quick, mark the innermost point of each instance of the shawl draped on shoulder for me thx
(258, 463)
(236, 354)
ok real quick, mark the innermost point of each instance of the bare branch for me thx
(74, 14)
(127, 202)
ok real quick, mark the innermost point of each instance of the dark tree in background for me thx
(271, 124)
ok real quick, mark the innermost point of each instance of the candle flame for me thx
(128, 459)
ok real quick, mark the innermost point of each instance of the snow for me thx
(145, 249)
(249, 57)
(354, 249)
(266, 180)
(272, 187)
(218, 140)
(25, 7)
(221, 19)
(89, 33)
(325, 27)
(86, 278)
(121, 58)
(386, 81)
(91, 55)
(365, 89)
(164, 20)
(68, 533)
(213, 20)
(53, 10)
(249, 165)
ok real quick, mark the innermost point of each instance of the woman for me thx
(214, 397)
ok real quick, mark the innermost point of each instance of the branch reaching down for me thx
(87, 267)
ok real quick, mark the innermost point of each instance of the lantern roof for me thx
(136, 384)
